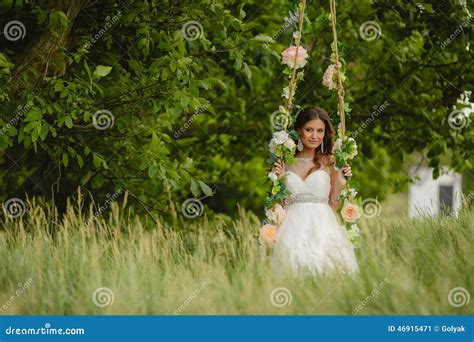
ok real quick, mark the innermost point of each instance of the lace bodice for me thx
(316, 185)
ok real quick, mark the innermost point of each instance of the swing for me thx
(282, 143)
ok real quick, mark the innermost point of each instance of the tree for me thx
(172, 99)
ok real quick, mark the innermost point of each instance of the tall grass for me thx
(205, 266)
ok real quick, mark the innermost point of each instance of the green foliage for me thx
(191, 116)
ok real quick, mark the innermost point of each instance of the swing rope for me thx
(292, 84)
(340, 87)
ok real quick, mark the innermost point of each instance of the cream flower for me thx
(288, 57)
(272, 176)
(350, 212)
(282, 109)
(286, 93)
(289, 143)
(353, 234)
(276, 215)
(279, 137)
(353, 142)
(355, 227)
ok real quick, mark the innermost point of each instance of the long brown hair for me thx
(324, 156)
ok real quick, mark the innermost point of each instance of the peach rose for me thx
(288, 57)
(350, 212)
(268, 233)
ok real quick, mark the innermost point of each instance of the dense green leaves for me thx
(187, 111)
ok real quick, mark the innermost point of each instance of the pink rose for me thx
(268, 233)
(328, 78)
(350, 212)
(288, 57)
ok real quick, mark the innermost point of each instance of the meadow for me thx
(84, 264)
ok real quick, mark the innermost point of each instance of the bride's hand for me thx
(345, 171)
(279, 168)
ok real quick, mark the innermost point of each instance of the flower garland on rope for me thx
(282, 145)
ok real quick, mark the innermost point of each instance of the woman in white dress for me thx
(310, 241)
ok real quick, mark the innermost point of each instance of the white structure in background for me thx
(428, 196)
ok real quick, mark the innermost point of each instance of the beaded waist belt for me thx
(302, 198)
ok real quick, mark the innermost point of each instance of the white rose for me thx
(272, 176)
(276, 215)
(289, 143)
(279, 137)
(338, 144)
(271, 216)
(280, 213)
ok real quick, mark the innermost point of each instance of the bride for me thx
(310, 241)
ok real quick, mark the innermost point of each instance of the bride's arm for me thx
(338, 182)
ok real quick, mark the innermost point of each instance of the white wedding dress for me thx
(310, 240)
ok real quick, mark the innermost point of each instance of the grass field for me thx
(85, 265)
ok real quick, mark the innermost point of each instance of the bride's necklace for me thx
(307, 159)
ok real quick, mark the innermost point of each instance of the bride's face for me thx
(312, 133)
